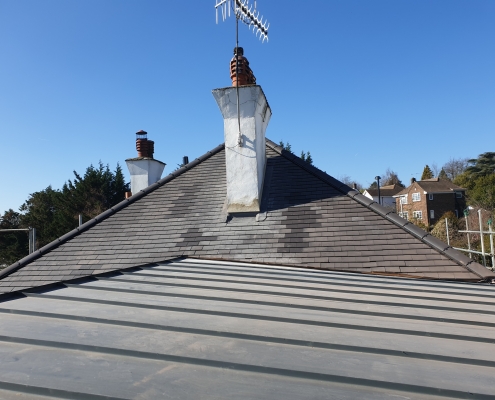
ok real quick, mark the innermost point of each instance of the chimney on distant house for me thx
(144, 169)
(246, 114)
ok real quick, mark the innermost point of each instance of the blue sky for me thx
(365, 85)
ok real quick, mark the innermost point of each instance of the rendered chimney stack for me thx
(144, 169)
(244, 133)
(242, 74)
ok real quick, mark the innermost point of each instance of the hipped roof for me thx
(308, 219)
(434, 185)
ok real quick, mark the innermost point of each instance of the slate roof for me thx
(308, 219)
(388, 190)
(434, 185)
(193, 329)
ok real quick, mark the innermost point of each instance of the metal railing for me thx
(481, 233)
(31, 234)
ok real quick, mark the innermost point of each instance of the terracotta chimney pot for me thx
(242, 75)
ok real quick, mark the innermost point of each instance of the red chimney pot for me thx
(242, 75)
(144, 147)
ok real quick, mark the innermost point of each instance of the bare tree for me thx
(346, 179)
(435, 169)
(455, 167)
(391, 178)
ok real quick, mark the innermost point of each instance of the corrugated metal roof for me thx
(196, 329)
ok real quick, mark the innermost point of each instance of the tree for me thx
(482, 193)
(44, 210)
(55, 212)
(346, 179)
(286, 147)
(306, 157)
(440, 231)
(435, 170)
(482, 166)
(455, 167)
(391, 178)
(443, 175)
(427, 173)
(94, 193)
(13, 245)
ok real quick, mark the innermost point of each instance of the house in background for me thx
(429, 199)
(386, 195)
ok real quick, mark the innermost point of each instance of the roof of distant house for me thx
(387, 190)
(434, 185)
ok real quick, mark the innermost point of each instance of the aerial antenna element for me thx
(245, 13)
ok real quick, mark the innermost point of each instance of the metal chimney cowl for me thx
(144, 169)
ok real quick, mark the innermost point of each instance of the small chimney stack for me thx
(144, 169)
(244, 134)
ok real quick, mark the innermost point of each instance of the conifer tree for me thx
(443, 175)
(13, 245)
(55, 212)
(427, 173)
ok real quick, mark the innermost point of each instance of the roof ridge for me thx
(107, 213)
(425, 237)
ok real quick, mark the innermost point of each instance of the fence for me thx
(32, 236)
(481, 233)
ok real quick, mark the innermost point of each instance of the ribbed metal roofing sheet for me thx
(197, 329)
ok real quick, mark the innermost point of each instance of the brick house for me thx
(428, 200)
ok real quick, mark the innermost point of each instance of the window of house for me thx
(403, 199)
(432, 214)
(458, 195)
(418, 214)
(403, 215)
(430, 196)
(416, 197)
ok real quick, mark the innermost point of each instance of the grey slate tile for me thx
(313, 225)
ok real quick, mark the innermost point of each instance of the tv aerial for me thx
(245, 13)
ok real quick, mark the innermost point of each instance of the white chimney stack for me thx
(245, 157)
(144, 169)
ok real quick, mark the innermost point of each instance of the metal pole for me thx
(80, 219)
(469, 241)
(447, 230)
(378, 184)
(491, 244)
(30, 236)
(239, 138)
(34, 240)
(481, 237)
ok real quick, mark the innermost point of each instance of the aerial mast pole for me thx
(249, 16)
